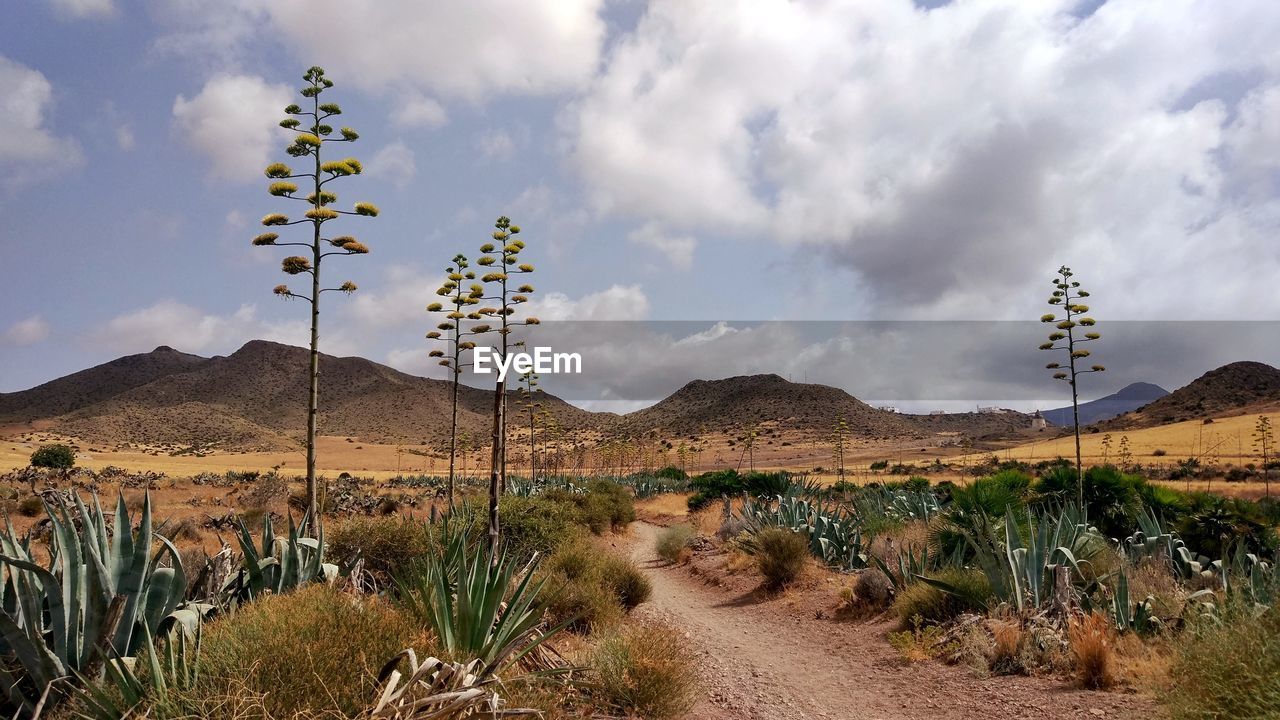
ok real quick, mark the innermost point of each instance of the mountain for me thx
(739, 404)
(96, 384)
(1229, 388)
(253, 400)
(1130, 397)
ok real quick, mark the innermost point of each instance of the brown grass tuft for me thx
(1091, 640)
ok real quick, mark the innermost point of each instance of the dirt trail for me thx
(763, 659)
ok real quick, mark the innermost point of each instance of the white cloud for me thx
(233, 120)
(29, 150)
(394, 163)
(678, 249)
(462, 47)
(26, 332)
(84, 8)
(417, 110)
(496, 145)
(952, 157)
(415, 50)
(124, 137)
(618, 302)
(190, 329)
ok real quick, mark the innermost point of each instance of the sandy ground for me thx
(773, 657)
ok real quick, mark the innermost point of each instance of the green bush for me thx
(533, 524)
(672, 472)
(388, 544)
(593, 585)
(933, 605)
(56, 456)
(780, 556)
(627, 580)
(1230, 670)
(30, 506)
(646, 671)
(672, 541)
(711, 486)
(605, 506)
(312, 653)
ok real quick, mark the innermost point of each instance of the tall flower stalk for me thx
(451, 332)
(311, 135)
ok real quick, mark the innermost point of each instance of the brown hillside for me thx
(1228, 389)
(738, 404)
(252, 400)
(84, 388)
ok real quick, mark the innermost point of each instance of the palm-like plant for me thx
(501, 290)
(1065, 338)
(309, 140)
(451, 332)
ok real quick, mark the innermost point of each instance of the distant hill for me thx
(738, 404)
(1130, 397)
(1227, 389)
(253, 400)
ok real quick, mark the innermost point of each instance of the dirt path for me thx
(763, 659)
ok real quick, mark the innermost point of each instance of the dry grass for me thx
(781, 556)
(312, 653)
(647, 671)
(1092, 646)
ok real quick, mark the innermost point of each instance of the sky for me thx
(727, 164)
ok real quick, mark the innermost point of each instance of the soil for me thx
(781, 656)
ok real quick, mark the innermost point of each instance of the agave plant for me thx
(1019, 571)
(102, 594)
(484, 607)
(835, 535)
(438, 690)
(173, 668)
(1138, 617)
(279, 564)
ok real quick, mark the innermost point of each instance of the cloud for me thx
(26, 332)
(233, 121)
(81, 9)
(496, 145)
(394, 163)
(678, 249)
(418, 110)
(463, 48)
(950, 158)
(124, 137)
(618, 302)
(28, 148)
(190, 329)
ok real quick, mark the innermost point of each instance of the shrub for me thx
(533, 524)
(606, 505)
(672, 542)
(970, 592)
(627, 580)
(711, 486)
(1090, 639)
(646, 671)
(1230, 670)
(592, 587)
(312, 653)
(873, 588)
(31, 506)
(780, 556)
(56, 456)
(388, 544)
